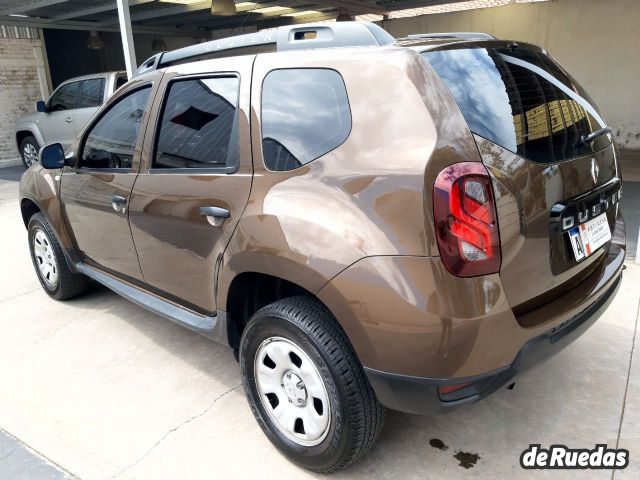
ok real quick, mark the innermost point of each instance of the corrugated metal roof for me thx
(194, 16)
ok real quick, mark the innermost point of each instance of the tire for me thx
(28, 148)
(50, 264)
(308, 344)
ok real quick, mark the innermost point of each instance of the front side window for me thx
(521, 100)
(197, 127)
(91, 93)
(112, 139)
(64, 98)
(305, 114)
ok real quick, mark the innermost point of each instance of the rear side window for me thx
(521, 100)
(64, 98)
(305, 114)
(197, 129)
(91, 93)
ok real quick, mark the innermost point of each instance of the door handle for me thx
(118, 203)
(68, 119)
(215, 215)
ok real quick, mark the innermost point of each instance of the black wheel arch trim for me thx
(70, 255)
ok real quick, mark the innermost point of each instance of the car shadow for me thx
(12, 174)
(207, 356)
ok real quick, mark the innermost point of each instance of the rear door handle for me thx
(215, 215)
(68, 119)
(118, 203)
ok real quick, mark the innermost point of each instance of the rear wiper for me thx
(589, 139)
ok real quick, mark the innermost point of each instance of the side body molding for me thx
(213, 327)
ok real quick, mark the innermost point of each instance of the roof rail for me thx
(292, 37)
(461, 35)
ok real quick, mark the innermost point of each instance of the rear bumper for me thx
(420, 395)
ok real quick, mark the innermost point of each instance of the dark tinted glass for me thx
(120, 81)
(64, 98)
(91, 93)
(198, 124)
(111, 142)
(521, 100)
(305, 114)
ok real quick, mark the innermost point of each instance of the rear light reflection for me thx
(445, 389)
(465, 219)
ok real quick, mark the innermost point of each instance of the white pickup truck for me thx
(66, 113)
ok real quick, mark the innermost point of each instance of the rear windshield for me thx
(521, 100)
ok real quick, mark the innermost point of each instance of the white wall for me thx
(598, 41)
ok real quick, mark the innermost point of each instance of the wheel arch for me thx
(39, 192)
(248, 292)
(28, 131)
(28, 208)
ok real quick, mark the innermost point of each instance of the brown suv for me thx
(367, 222)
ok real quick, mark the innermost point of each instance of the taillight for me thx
(466, 222)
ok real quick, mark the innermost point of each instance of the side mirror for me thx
(41, 106)
(52, 156)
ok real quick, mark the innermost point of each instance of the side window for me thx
(197, 127)
(64, 98)
(305, 114)
(91, 93)
(112, 139)
(121, 80)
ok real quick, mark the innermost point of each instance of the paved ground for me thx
(98, 388)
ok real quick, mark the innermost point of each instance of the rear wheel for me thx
(29, 150)
(52, 269)
(305, 386)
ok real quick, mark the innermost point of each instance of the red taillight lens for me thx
(466, 222)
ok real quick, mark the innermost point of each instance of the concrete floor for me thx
(98, 388)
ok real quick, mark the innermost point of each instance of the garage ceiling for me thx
(182, 16)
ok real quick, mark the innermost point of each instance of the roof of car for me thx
(94, 75)
(286, 38)
(326, 36)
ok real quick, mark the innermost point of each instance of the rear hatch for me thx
(531, 121)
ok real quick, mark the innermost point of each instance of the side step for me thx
(213, 327)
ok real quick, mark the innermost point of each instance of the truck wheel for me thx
(305, 386)
(54, 274)
(29, 150)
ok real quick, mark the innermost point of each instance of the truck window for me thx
(91, 93)
(64, 98)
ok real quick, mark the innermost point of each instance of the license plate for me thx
(590, 236)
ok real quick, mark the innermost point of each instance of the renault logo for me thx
(595, 170)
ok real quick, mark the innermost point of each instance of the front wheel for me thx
(52, 269)
(29, 150)
(305, 386)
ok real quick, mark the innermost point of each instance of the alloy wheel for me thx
(30, 154)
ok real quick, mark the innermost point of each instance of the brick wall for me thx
(19, 85)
